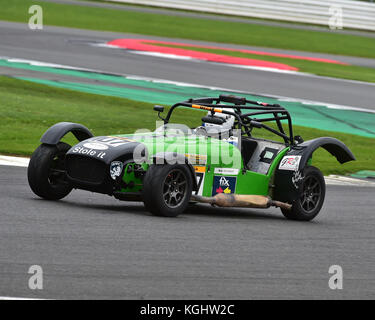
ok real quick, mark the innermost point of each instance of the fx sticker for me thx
(223, 184)
(290, 163)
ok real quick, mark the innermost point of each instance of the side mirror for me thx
(158, 108)
(298, 139)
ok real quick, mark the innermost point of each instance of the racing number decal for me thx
(200, 173)
(200, 178)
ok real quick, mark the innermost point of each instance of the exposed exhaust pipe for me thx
(241, 200)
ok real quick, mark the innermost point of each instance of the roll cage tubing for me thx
(244, 120)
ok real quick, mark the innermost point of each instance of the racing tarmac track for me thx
(71, 47)
(93, 246)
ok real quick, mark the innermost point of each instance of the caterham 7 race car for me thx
(219, 162)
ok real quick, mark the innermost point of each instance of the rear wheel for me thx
(311, 198)
(167, 189)
(46, 172)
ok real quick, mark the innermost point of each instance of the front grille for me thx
(86, 169)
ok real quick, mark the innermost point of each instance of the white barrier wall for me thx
(334, 13)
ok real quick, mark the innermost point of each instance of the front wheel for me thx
(46, 172)
(167, 189)
(313, 190)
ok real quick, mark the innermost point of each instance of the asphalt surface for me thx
(71, 47)
(93, 246)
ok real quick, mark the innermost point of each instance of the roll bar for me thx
(244, 120)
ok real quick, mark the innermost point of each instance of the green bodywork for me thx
(210, 153)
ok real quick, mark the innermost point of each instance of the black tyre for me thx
(46, 172)
(167, 189)
(313, 190)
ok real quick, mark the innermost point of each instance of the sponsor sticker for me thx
(290, 163)
(116, 169)
(107, 142)
(226, 171)
(223, 184)
(297, 178)
(200, 169)
(95, 146)
(89, 152)
(196, 159)
(232, 140)
(123, 138)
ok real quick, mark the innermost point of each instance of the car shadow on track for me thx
(137, 208)
(238, 213)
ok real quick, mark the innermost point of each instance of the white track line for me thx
(17, 298)
(186, 84)
(164, 55)
(348, 181)
(172, 56)
(14, 161)
(178, 57)
(44, 64)
(330, 180)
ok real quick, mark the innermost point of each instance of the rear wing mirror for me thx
(158, 108)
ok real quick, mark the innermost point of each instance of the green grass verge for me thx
(190, 28)
(29, 109)
(314, 67)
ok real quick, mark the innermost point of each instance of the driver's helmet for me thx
(223, 130)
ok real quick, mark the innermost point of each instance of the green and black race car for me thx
(218, 162)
